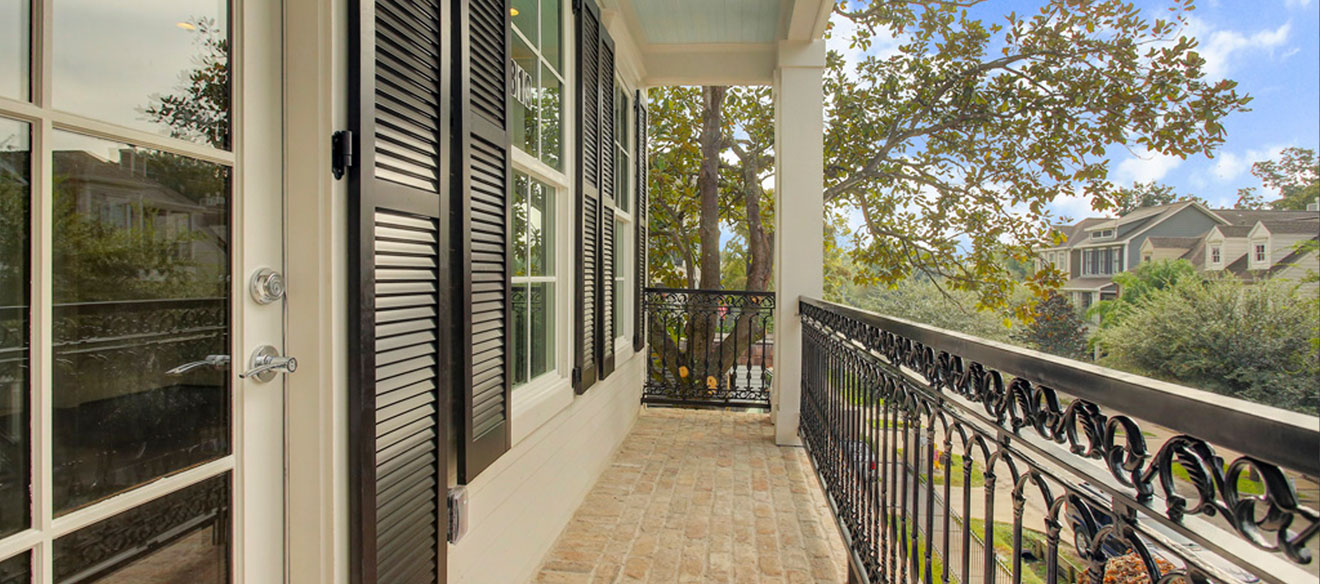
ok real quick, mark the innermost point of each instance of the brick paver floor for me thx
(701, 496)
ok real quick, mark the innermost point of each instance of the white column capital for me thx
(801, 54)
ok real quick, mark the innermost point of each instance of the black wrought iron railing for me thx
(709, 347)
(949, 458)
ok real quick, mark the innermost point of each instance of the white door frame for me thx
(315, 93)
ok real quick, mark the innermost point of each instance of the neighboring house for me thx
(1248, 243)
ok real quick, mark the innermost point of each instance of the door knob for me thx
(266, 362)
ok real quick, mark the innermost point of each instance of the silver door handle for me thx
(266, 362)
(217, 362)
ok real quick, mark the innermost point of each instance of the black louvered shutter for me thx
(588, 143)
(609, 197)
(398, 289)
(482, 222)
(640, 230)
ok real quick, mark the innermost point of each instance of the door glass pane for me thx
(15, 190)
(17, 570)
(160, 66)
(141, 316)
(15, 48)
(182, 537)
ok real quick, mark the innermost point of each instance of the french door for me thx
(140, 193)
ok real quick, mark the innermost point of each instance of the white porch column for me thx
(799, 217)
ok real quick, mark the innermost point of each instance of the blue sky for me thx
(1271, 48)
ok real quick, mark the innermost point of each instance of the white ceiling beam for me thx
(731, 64)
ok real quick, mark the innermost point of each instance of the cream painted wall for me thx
(519, 505)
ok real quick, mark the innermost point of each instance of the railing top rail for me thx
(1286, 438)
(710, 291)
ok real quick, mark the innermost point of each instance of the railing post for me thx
(799, 241)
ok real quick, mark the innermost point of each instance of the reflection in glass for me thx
(540, 229)
(524, 16)
(619, 277)
(521, 186)
(15, 48)
(622, 134)
(15, 202)
(552, 149)
(183, 537)
(522, 100)
(520, 332)
(141, 272)
(17, 570)
(552, 22)
(156, 65)
(541, 309)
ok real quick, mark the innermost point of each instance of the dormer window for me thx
(1104, 234)
(1260, 252)
(1215, 255)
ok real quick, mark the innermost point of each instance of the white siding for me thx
(519, 505)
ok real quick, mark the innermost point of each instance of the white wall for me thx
(519, 505)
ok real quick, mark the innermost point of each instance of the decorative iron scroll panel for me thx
(709, 347)
(911, 439)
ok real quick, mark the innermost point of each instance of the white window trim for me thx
(558, 335)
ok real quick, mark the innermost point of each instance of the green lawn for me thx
(1033, 570)
(1246, 484)
(956, 473)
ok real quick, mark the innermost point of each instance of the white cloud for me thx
(1147, 166)
(1296, 3)
(1230, 166)
(1221, 47)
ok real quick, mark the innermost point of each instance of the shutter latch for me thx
(458, 513)
(341, 152)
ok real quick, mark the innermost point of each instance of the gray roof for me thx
(1299, 227)
(1196, 255)
(1235, 230)
(1249, 217)
(1173, 242)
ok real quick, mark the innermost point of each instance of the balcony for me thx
(933, 456)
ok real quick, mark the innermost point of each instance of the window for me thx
(537, 85)
(1104, 234)
(623, 157)
(1215, 256)
(1260, 252)
(534, 279)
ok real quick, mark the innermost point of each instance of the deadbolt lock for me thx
(266, 286)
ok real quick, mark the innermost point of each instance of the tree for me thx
(201, 111)
(1251, 341)
(952, 148)
(1056, 329)
(1148, 194)
(711, 156)
(933, 303)
(1295, 175)
(1135, 285)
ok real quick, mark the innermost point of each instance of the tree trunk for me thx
(708, 184)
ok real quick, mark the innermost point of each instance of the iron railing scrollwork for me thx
(918, 434)
(709, 347)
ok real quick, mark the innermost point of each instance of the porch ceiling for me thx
(716, 42)
(668, 22)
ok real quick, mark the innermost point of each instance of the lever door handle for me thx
(266, 362)
(216, 362)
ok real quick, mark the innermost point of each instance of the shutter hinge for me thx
(341, 152)
(577, 377)
(577, 6)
